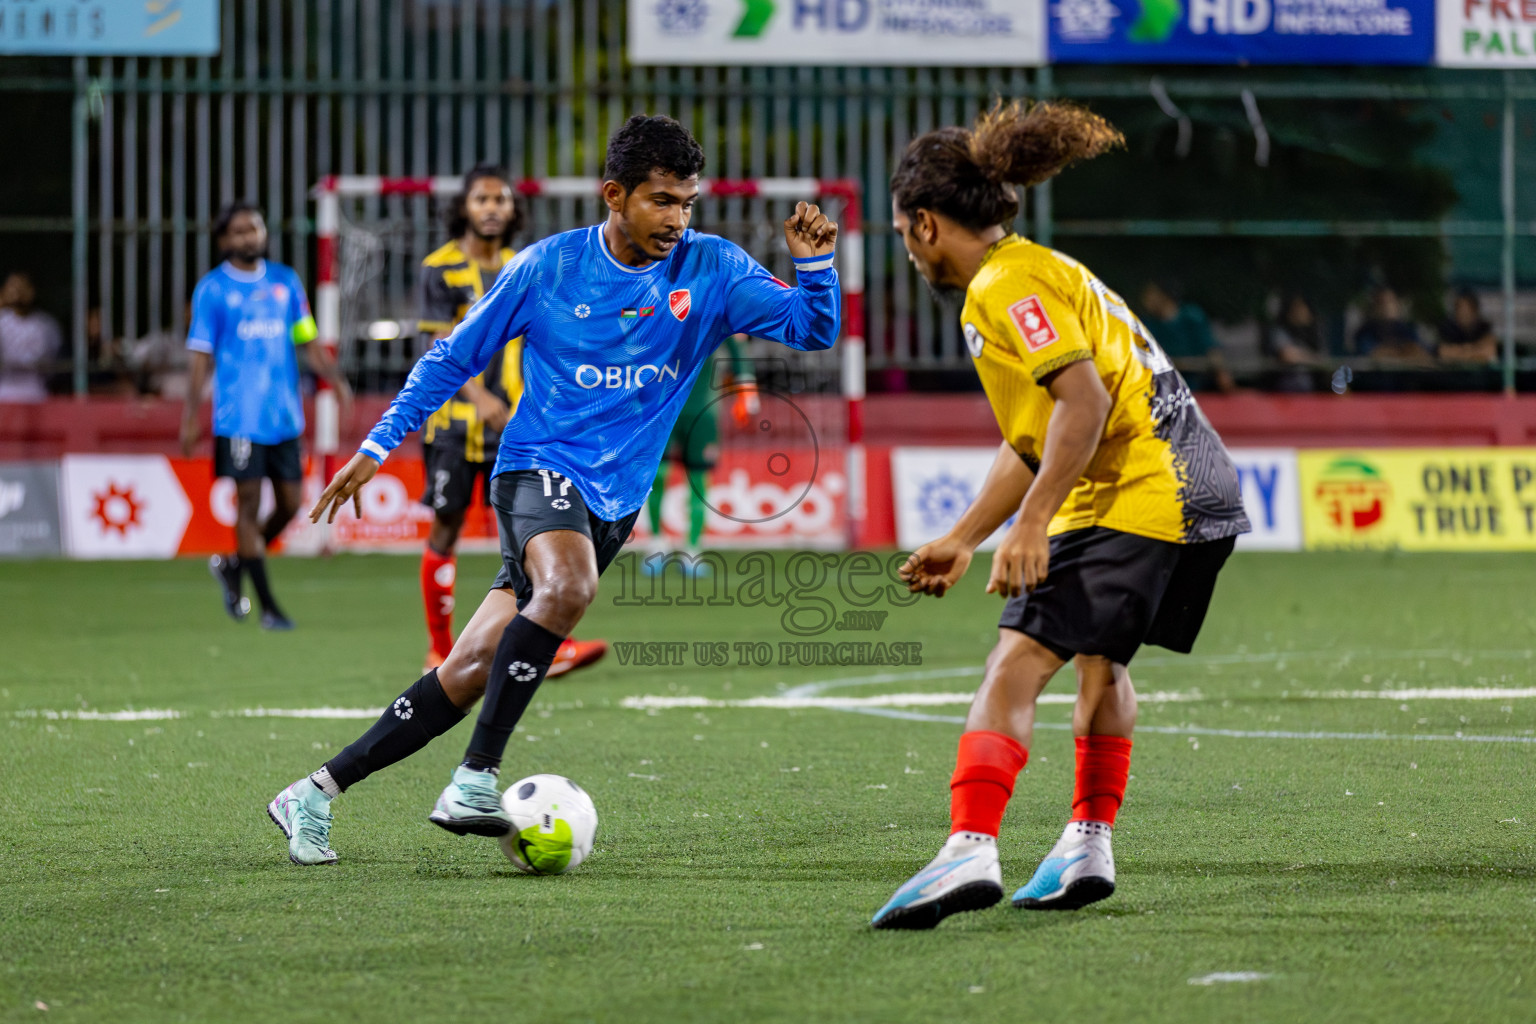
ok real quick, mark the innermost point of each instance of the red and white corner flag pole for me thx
(328, 322)
(850, 248)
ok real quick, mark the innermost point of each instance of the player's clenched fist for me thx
(809, 232)
(345, 486)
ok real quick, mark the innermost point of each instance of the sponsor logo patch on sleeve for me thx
(1034, 326)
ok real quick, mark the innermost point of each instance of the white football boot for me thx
(964, 876)
(1079, 870)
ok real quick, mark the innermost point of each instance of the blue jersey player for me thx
(618, 320)
(249, 319)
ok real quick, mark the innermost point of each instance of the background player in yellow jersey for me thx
(462, 437)
(1127, 503)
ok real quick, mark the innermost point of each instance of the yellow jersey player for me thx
(1125, 503)
(462, 437)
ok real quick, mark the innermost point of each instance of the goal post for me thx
(845, 193)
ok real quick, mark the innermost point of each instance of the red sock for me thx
(437, 576)
(1103, 766)
(985, 768)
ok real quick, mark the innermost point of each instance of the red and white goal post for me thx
(850, 247)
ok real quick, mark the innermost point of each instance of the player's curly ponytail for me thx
(969, 174)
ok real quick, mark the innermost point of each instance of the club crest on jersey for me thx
(680, 302)
(973, 340)
(1034, 326)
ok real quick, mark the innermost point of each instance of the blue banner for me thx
(1242, 31)
(129, 27)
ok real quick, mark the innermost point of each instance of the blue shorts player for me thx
(249, 319)
(617, 321)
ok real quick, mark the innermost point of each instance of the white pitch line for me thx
(145, 715)
(1241, 734)
(793, 701)
(790, 700)
(1223, 977)
(327, 713)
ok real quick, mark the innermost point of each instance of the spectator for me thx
(108, 375)
(1184, 333)
(159, 362)
(1295, 342)
(1466, 337)
(29, 342)
(1387, 335)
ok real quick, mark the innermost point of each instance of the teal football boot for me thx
(303, 812)
(471, 805)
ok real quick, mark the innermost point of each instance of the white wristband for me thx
(375, 449)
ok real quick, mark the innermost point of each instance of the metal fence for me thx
(304, 88)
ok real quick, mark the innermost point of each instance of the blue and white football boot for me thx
(964, 876)
(1079, 870)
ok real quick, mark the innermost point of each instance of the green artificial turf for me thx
(742, 850)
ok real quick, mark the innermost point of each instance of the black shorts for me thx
(529, 502)
(450, 486)
(1108, 592)
(240, 458)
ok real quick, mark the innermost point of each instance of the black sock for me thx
(256, 569)
(417, 717)
(522, 657)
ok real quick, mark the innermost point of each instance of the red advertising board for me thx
(154, 506)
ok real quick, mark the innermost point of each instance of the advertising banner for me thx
(150, 506)
(1349, 32)
(146, 27)
(840, 32)
(1485, 34)
(1271, 496)
(29, 509)
(933, 486)
(1420, 499)
(122, 506)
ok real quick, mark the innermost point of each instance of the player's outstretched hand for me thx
(809, 232)
(1021, 561)
(345, 486)
(936, 566)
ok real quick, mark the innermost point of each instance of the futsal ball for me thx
(553, 824)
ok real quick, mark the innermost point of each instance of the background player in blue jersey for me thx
(249, 315)
(617, 321)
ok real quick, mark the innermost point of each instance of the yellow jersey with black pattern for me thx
(451, 282)
(1160, 470)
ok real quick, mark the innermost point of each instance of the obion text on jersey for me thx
(626, 377)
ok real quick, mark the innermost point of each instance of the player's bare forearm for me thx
(325, 366)
(938, 565)
(1004, 488)
(1023, 559)
(202, 362)
(1071, 437)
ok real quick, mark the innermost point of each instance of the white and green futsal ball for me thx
(553, 824)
